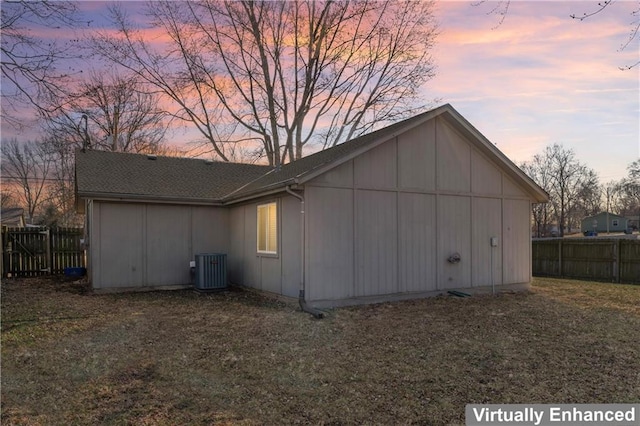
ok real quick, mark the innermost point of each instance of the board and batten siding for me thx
(140, 245)
(279, 273)
(385, 222)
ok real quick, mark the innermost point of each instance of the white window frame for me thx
(271, 232)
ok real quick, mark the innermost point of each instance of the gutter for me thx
(301, 297)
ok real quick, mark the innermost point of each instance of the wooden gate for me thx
(29, 252)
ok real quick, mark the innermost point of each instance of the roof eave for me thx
(161, 199)
(271, 189)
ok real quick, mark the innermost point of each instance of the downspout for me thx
(301, 299)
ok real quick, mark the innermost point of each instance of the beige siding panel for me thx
(453, 159)
(210, 230)
(235, 260)
(168, 231)
(121, 245)
(486, 178)
(92, 221)
(486, 223)
(329, 244)
(339, 177)
(290, 246)
(251, 270)
(417, 158)
(377, 168)
(271, 274)
(417, 242)
(376, 243)
(517, 241)
(510, 189)
(454, 236)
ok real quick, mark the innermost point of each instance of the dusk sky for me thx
(542, 78)
(538, 78)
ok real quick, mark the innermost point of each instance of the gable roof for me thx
(103, 174)
(611, 216)
(301, 171)
(111, 175)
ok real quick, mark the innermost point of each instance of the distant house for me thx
(12, 217)
(418, 208)
(599, 223)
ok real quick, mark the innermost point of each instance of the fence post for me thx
(616, 260)
(2, 241)
(47, 235)
(560, 257)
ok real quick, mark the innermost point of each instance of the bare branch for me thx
(287, 73)
(30, 67)
(122, 115)
(601, 6)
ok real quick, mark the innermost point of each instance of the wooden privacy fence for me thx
(603, 259)
(29, 252)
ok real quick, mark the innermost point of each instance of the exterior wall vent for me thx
(211, 271)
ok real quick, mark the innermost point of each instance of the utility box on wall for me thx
(211, 271)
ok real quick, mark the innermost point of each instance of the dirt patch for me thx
(72, 357)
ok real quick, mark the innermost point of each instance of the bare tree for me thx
(171, 71)
(26, 170)
(7, 199)
(628, 190)
(538, 170)
(30, 66)
(588, 200)
(283, 73)
(60, 204)
(121, 115)
(571, 180)
(611, 197)
(573, 187)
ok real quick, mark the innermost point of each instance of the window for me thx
(268, 228)
(614, 222)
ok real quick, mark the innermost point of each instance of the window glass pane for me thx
(267, 228)
(262, 228)
(272, 233)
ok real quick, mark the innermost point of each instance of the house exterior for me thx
(12, 217)
(415, 209)
(599, 221)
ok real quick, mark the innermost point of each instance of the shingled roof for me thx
(127, 176)
(101, 174)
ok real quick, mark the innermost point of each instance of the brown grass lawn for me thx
(71, 357)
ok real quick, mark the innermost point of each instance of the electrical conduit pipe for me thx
(301, 297)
